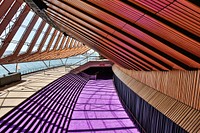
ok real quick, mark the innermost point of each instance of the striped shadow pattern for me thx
(48, 110)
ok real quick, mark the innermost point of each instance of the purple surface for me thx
(48, 110)
(98, 109)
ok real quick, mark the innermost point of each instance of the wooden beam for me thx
(44, 39)
(62, 43)
(38, 33)
(57, 41)
(21, 43)
(113, 46)
(51, 40)
(4, 7)
(14, 30)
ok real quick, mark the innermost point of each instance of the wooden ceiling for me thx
(136, 34)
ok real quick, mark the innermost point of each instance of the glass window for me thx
(54, 41)
(65, 42)
(35, 48)
(74, 42)
(30, 37)
(14, 42)
(69, 42)
(27, 67)
(10, 67)
(11, 23)
(2, 17)
(2, 71)
(48, 39)
(62, 37)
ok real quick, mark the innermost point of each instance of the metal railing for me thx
(26, 68)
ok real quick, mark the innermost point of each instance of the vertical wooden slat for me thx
(70, 45)
(62, 43)
(181, 85)
(51, 40)
(180, 113)
(57, 41)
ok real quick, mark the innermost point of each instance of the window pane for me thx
(54, 41)
(11, 23)
(2, 17)
(14, 42)
(30, 37)
(60, 42)
(69, 42)
(48, 39)
(65, 42)
(35, 48)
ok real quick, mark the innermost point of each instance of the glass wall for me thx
(28, 67)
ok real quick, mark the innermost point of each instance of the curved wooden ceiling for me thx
(136, 34)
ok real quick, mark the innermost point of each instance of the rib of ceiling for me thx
(136, 34)
(13, 13)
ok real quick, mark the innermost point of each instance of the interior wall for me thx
(180, 113)
(149, 118)
(180, 85)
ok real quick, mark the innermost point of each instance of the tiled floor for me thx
(48, 110)
(98, 109)
(14, 94)
(54, 108)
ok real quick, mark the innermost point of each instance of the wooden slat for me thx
(160, 42)
(57, 41)
(169, 34)
(5, 5)
(62, 42)
(184, 115)
(181, 85)
(51, 40)
(181, 13)
(122, 45)
(120, 9)
(99, 38)
(111, 46)
(38, 33)
(47, 33)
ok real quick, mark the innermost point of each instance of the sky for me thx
(19, 34)
(14, 42)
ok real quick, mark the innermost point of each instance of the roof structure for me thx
(135, 34)
(147, 40)
(27, 37)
